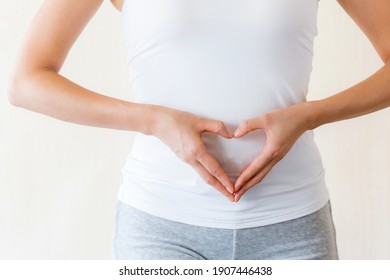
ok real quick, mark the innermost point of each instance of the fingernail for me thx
(236, 132)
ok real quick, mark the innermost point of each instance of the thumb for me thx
(217, 127)
(247, 126)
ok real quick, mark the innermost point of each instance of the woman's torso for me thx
(228, 60)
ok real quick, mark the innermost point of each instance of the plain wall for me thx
(59, 181)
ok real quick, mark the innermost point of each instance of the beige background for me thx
(59, 181)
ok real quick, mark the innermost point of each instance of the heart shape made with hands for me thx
(273, 133)
(236, 154)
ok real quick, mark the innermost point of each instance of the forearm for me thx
(370, 95)
(49, 93)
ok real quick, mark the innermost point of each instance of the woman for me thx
(201, 70)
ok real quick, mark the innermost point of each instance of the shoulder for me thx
(117, 4)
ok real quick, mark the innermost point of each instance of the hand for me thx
(282, 128)
(182, 131)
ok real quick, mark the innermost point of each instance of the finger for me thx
(248, 125)
(214, 169)
(255, 179)
(244, 168)
(211, 180)
(217, 127)
(254, 167)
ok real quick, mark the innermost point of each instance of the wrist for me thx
(142, 117)
(153, 114)
(156, 120)
(310, 113)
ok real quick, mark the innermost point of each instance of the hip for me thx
(140, 235)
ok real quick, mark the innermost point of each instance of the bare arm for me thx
(373, 93)
(36, 85)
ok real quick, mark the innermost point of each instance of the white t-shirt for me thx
(226, 60)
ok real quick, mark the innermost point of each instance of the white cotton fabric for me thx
(227, 60)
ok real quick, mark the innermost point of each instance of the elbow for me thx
(13, 91)
(20, 88)
(24, 86)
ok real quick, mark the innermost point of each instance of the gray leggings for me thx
(141, 236)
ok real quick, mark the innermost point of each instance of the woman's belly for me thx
(202, 76)
(231, 95)
(156, 162)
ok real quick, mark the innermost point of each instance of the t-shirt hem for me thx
(263, 221)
